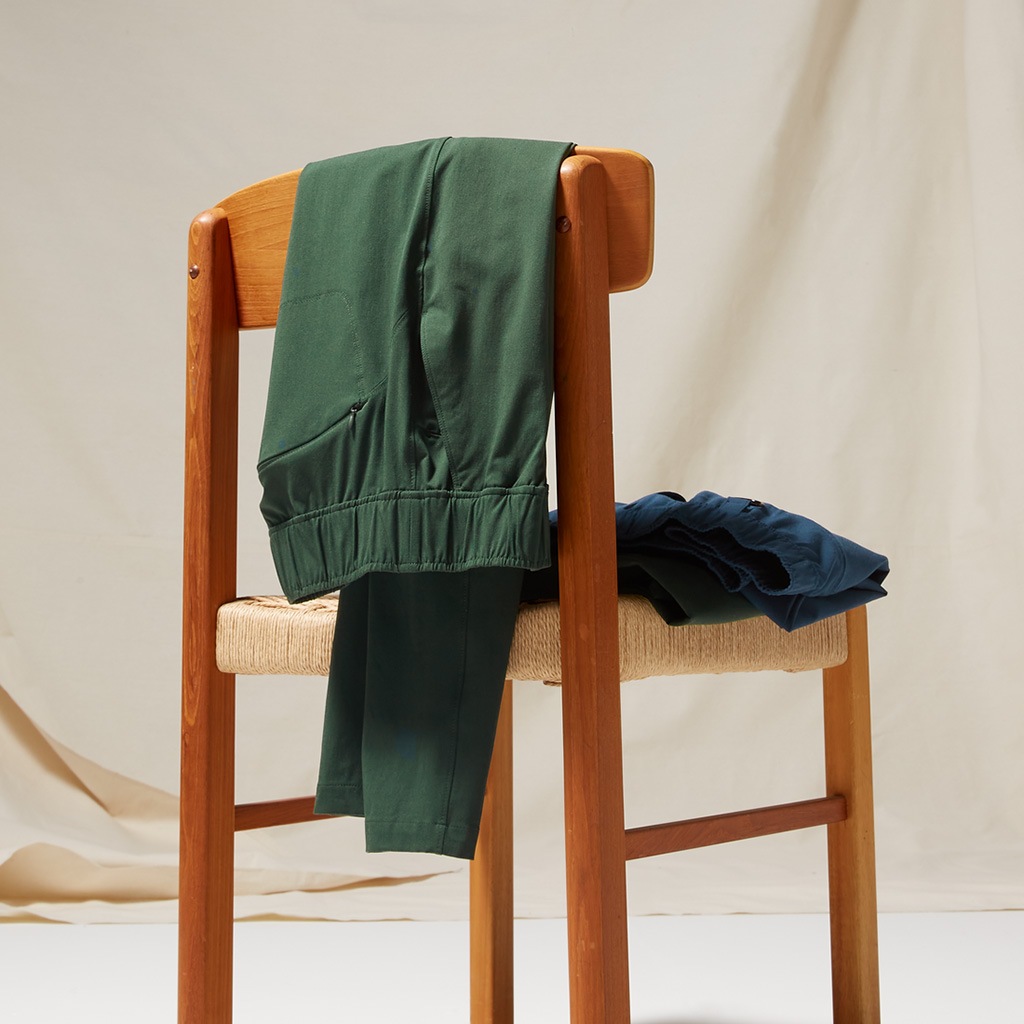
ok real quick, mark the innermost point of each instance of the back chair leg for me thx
(490, 887)
(851, 843)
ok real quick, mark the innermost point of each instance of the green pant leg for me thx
(428, 672)
(438, 647)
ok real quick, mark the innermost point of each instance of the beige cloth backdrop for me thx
(834, 325)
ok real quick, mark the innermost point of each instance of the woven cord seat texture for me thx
(269, 636)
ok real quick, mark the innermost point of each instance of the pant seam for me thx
(458, 703)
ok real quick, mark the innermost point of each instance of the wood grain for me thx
(491, 889)
(591, 726)
(208, 695)
(693, 833)
(851, 843)
(261, 215)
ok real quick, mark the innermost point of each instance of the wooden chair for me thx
(604, 244)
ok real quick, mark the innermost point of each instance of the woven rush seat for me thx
(269, 636)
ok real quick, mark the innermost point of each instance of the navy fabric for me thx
(714, 559)
(787, 566)
(680, 588)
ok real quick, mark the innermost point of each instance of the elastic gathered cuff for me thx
(411, 531)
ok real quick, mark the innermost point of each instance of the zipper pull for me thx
(352, 416)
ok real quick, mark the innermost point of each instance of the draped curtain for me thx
(833, 326)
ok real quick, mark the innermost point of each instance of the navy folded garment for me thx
(682, 590)
(712, 559)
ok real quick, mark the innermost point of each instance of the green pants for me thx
(403, 459)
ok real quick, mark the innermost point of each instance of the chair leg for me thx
(851, 844)
(595, 862)
(490, 887)
(206, 859)
(595, 834)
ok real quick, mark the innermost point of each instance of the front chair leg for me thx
(206, 871)
(490, 887)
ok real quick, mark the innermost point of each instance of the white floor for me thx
(965, 968)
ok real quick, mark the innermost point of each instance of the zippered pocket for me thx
(348, 419)
(352, 416)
